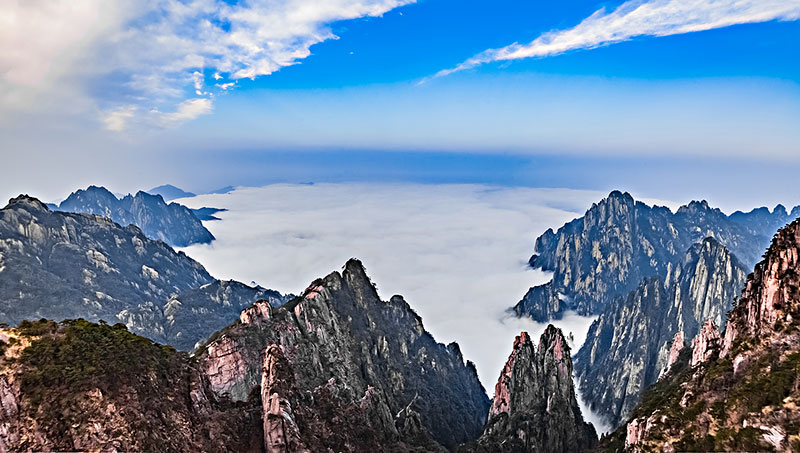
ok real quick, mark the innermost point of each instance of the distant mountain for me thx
(534, 407)
(627, 347)
(60, 265)
(620, 241)
(223, 190)
(172, 223)
(169, 192)
(206, 213)
(737, 391)
(335, 370)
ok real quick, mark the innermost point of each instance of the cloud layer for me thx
(134, 58)
(640, 18)
(456, 253)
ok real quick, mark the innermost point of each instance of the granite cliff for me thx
(739, 390)
(619, 242)
(172, 223)
(336, 369)
(339, 339)
(534, 407)
(627, 347)
(60, 265)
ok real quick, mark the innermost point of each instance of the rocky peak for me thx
(620, 241)
(534, 406)
(629, 346)
(281, 433)
(26, 202)
(363, 356)
(771, 298)
(172, 223)
(744, 398)
(502, 395)
(695, 206)
(706, 343)
(674, 351)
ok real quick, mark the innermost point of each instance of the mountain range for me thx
(620, 241)
(61, 265)
(172, 223)
(735, 391)
(337, 368)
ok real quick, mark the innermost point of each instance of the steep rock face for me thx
(619, 241)
(534, 406)
(172, 223)
(366, 355)
(628, 346)
(743, 394)
(209, 308)
(79, 386)
(61, 265)
(706, 343)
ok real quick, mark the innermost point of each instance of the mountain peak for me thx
(25, 200)
(770, 298)
(536, 385)
(169, 192)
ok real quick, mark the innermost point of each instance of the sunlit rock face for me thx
(345, 351)
(737, 391)
(619, 241)
(628, 347)
(534, 407)
(336, 369)
(79, 386)
(172, 223)
(60, 265)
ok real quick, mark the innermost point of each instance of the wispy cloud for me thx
(640, 18)
(132, 56)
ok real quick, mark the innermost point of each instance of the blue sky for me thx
(568, 94)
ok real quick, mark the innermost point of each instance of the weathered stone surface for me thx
(706, 343)
(534, 407)
(744, 397)
(369, 358)
(172, 223)
(60, 265)
(678, 343)
(628, 347)
(619, 241)
(82, 390)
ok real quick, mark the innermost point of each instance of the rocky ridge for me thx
(334, 370)
(172, 223)
(59, 265)
(738, 391)
(340, 344)
(620, 241)
(629, 345)
(534, 406)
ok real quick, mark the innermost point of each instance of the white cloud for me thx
(456, 253)
(153, 53)
(123, 118)
(640, 18)
(117, 120)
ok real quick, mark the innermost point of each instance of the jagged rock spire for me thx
(534, 407)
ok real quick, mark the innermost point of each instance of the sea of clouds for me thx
(457, 253)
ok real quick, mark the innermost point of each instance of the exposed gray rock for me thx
(620, 241)
(627, 347)
(172, 223)
(60, 265)
(534, 407)
(345, 345)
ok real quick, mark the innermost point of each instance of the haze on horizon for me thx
(674, 98)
